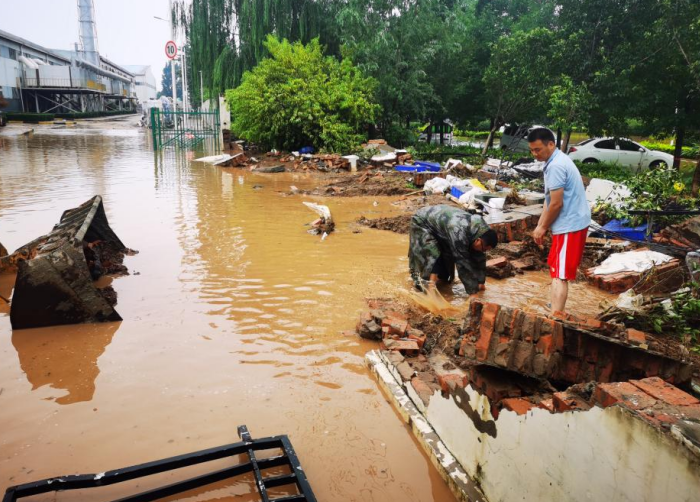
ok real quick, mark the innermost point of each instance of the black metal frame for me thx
(247, 446)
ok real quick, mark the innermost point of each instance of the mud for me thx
(400, 224)
(368, 184)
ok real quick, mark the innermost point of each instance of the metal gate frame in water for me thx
(185, 130)
(248, 446)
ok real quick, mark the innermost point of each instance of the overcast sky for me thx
(127, 33)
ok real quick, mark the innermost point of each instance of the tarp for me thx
(631, 261)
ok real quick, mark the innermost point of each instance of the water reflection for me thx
(64, 358)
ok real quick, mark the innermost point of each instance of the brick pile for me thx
(660, 279)
(392, 329)
(516, 230)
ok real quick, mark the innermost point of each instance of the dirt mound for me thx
(367, 185)
(399, 224)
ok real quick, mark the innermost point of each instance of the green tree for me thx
(226, 37)
(569, 105)
(298, 97)
(518, 76)
(166, 81)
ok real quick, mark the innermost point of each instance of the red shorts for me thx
(566, 253)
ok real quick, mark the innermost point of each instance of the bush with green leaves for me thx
(653, 190)
(298, 97)
(688, 152)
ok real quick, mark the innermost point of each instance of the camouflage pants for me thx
(425, 256)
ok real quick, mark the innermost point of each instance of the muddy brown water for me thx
(232, 315)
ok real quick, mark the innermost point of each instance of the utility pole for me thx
(172, 61)
(201, 91)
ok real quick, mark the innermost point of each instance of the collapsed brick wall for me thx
(570, 351)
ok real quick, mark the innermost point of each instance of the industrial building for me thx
(40, 80)
(145, 82)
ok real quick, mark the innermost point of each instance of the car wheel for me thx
(658, 164)
(590, 161)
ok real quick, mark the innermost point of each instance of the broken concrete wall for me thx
(628, 445)
(54, 282)
(601, 454)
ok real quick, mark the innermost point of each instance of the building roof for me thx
(137, 69)
(105, 60)
(31, 45)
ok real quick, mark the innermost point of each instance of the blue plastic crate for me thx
(456, 192)
(433, 167)
(410, 169)
(632, 233)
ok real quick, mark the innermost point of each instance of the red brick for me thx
(592, 324)
(607, 394)
(566, 401)
(546, 404)
(406, 347)
(488, 322)
(450, 381)
(499, 262)
(636, 336)
(396, 326)
(422, 388)
(545, 344)
(665, 392)
(417, 335)
(519, 405)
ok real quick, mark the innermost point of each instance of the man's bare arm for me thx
(549, 214)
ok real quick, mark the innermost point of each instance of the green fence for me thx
(187, 130)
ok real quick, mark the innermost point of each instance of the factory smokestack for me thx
(88, 31)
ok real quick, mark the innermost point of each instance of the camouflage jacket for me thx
(447, 232)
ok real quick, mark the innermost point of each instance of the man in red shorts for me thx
(566, 213)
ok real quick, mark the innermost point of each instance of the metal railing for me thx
(295, 480)
(186, 130)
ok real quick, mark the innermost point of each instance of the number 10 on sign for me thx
(171, 49)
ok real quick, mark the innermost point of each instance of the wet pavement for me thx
(232, 315)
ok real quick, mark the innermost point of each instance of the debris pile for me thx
(55, 272)
(521, 361)
(324, 225)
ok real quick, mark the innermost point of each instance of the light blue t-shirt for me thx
(561, 172)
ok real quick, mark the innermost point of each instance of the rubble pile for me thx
(329, 162)
(521, 361)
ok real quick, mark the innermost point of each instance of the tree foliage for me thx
(166, 80)
(298, 97)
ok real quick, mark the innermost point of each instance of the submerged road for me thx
(232, 315)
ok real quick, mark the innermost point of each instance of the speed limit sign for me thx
(171, 49)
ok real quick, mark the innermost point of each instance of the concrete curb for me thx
(463, 487)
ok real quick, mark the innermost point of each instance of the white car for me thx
(620, 150)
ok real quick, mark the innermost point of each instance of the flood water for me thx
(232, 315)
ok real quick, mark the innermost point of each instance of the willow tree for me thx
(226, 37)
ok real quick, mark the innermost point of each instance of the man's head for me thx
(542, 143)
(488, 240)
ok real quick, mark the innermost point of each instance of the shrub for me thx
(298, 97)
(653, 190)
(689, 152)
(32, 118)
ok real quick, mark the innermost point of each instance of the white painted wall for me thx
(598, 455)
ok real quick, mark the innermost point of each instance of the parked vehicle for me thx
(514, 137)
(3, 119)
(447, 127)
(620, 150)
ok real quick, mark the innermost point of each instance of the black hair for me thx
(490, 238)
(540, 133)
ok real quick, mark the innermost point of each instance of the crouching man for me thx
(444, 236)
(566, 213)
